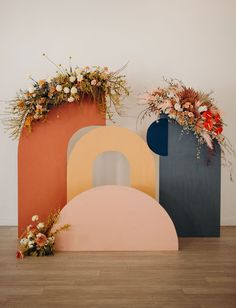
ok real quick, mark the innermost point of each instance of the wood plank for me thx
(201, 275)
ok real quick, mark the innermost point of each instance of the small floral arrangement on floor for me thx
(38, 238)
(106, 88)
(194, 110)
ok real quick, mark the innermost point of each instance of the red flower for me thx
(207, 115)
(219, 130)
(208, 124)
(19, 254)
(217, 118)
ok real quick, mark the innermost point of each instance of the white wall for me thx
(193, 40)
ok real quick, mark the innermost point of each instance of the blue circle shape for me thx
(157, 137)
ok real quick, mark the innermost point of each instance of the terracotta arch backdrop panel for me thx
(42, 159)
(97, 141)
(115, 218)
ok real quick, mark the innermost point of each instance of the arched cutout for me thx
(85, 151)
(42, 159)
(111, 168)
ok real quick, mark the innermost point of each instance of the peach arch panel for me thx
(112, 138)
(115, 218)
(42, 159)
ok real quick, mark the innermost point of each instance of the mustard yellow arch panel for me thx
(110, 138)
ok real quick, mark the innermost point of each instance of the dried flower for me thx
(71, 99)
(202, 108)
(72, 78)
(41, 239)
(25, 110)
(177, 107)
(35, 218)
(59, 88)
(40, 225)
(73, 90)
(19, 254)
(66, 90)
(31, 90)
(193, 110)
(41, 82)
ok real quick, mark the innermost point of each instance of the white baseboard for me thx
(228, 221)
(8, 221)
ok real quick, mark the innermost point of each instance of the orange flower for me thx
(41, 239)
(19, 254)
(28, 121)
(41, 82)
(20, 104)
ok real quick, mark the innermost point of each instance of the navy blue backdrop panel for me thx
(190, 187)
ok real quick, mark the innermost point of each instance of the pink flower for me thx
(186, 105)
(31, 228)
(94, 82)
(41, 239)
(19, 254)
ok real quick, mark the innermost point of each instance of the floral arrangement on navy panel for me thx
(38, 238)
(194, 110)
(106, 88)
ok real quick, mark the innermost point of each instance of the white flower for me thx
(40, 225)
(71, 99)
(66, 90)
(30, 244)
(58, 88)
(24, 241)
(78, 71)
(79, 77)
(51, 239)
(93, 82)
(35, 218)
(178, 107)
(202, 108)
(31, 90)
(72, 78)
(31, 234)
(73, 90)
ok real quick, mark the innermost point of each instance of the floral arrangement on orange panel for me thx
(106, 89)
(194, 110)
(38, 238)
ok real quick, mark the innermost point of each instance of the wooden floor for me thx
(201, 274)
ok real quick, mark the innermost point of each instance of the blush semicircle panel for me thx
(115, 218)
(42, 159)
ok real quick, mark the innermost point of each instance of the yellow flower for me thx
(41, 82)
(28, 121)
(20, 104)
